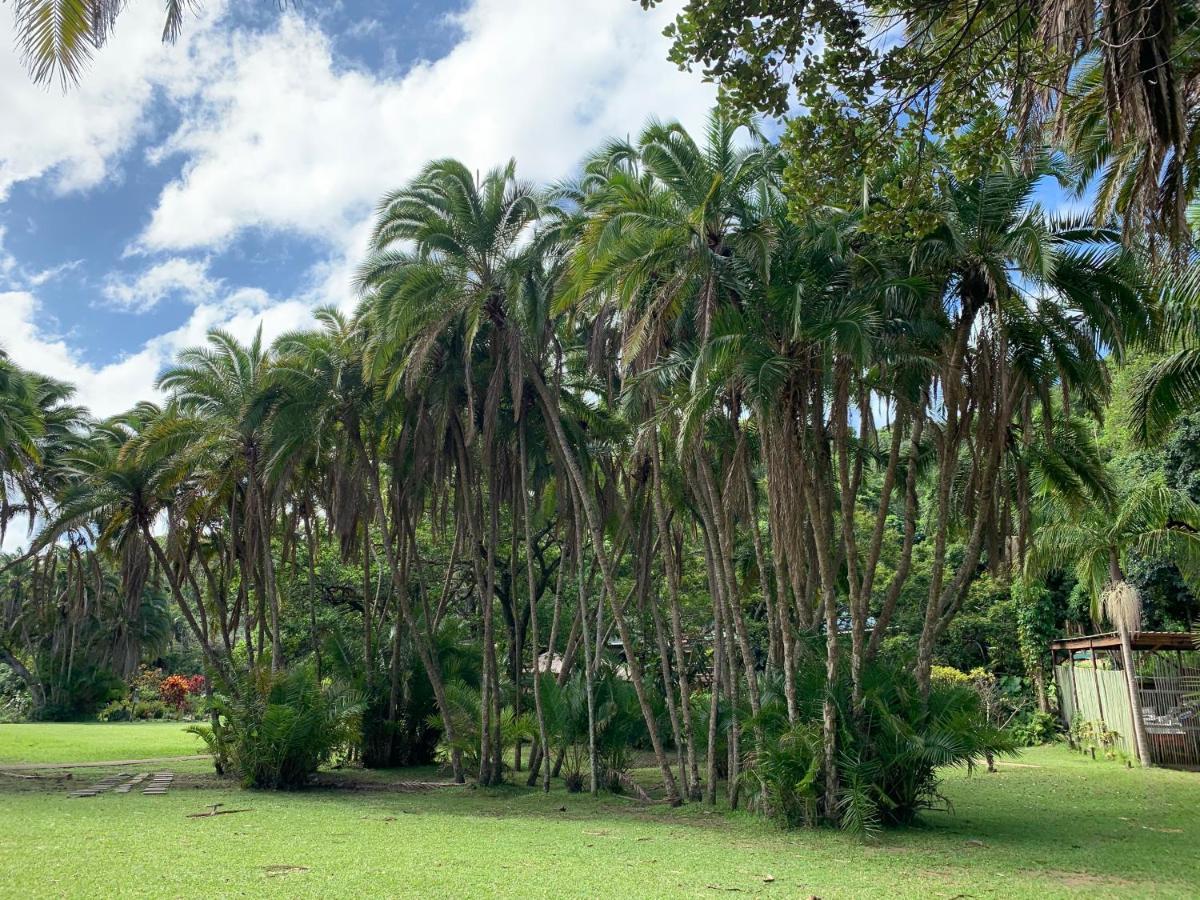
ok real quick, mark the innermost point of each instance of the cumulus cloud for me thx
(28, 337)
(284, 137)
(186, 279)
(277, 133)
(73, 138)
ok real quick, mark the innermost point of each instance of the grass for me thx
(1053, 825)
(44, 742)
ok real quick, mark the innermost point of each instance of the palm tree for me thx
(654, 252)
(120, 495)
(1170, 387)
(1030, 302)
(58, 39)
(447, 257)
(224, 396)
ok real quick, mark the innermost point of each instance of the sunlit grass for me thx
(1054, 825)
(53, 742)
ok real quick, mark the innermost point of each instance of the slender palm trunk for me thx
(433, 669)
(589, 671)
(543, 733)
(592, 516)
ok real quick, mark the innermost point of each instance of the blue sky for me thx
(228, 180)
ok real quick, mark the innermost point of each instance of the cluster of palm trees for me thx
(592, 394)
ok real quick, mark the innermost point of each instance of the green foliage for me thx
(463, 701)
(984, 633)
(275, 730)
(130, 710)
(1092, 735)
(620, 728)
(409, 734)
(1034, 729)
(15, 702)
(79, 694)
(1036, 623)
(890, 752)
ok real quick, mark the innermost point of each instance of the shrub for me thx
(1094, 735)
(146, 682)
(150, 709)
(174, 691)
(15, 702)
(1036, 728)
(889, 752)
(87, 690)
(117, 711)
(574, 781)
(464, 704)
(276, 730)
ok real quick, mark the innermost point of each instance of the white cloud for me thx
(174, 277)
(105, 390)
(114, 387)
(73, 137)
(284, 137)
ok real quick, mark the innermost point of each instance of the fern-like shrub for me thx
(464, 701)
(889, 752)
(276, 730)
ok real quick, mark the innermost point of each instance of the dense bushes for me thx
(889, 750)
(404, 728)
(152, 695)
(78, 694)
(275, 730)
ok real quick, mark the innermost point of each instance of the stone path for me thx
(124, 782)
(129, 785)
(159, 783)
(104, 784)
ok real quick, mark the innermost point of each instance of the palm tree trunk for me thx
(714, 705)
(543, 734)
(589, 670)
(672, 566)
(592, 515)
(433, 669)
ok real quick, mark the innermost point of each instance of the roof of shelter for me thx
(1142, 640)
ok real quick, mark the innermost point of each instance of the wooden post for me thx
(1096, 684)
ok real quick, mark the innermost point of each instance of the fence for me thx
(1168, 694)
(1097, 695)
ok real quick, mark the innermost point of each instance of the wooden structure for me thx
(1093, 687)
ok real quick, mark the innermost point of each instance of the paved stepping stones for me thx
(129, 785)
(106, 783)
(159, 783)
(124, 782)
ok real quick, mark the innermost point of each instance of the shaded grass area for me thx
(64, 742)
(1055, 825)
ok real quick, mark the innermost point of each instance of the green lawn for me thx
(94, 741)
(1054, 825)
